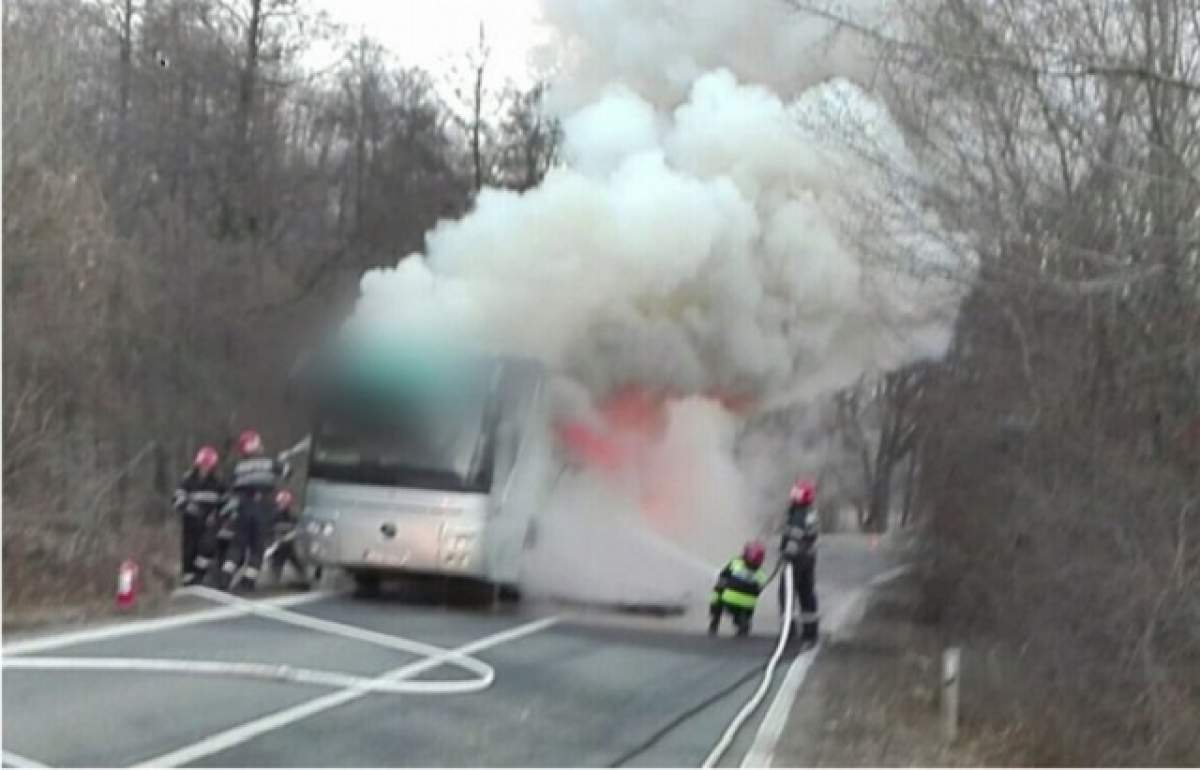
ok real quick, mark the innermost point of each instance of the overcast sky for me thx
(429, 33)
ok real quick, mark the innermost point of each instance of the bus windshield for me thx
(428, 445)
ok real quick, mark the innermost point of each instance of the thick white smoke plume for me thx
(660, 48)
(733, 219)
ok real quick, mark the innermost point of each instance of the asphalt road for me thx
(569, 689)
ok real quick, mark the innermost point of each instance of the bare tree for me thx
(1052, 472)
(152, 211)
(877, 423)
(529, 139)
(473, 105)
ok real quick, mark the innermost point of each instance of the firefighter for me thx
(737, 589)
(255, 479)
(283, 549)
(221, 534)
(198, 497)
(799, 546)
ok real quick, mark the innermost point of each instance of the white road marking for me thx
(357, 633)
(762, 751)
(16, 760)
(484, 673)
(118, 630)
(240, 734)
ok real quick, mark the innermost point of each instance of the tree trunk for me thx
(360, 157)
(238, 206)
(126, 73)
(477, 128)
(123, 139)
(881, 498)
(910, 489)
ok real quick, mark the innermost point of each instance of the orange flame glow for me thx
(631, 422)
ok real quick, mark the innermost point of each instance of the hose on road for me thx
(267, 671)
(767, 668)
(659, 734)
(398, 682)
(731, 732)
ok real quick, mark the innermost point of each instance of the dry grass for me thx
(58, 572)
(871, 699)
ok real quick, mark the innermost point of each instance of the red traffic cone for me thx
(127, 583)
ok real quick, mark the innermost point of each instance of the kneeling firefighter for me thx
(800, 550)
(283, 550)
(255, 479)
(737, 589)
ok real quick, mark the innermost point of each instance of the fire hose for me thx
(400, 681)
(278, 542)
(731, 731)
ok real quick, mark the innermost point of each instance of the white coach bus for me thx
(424, 466)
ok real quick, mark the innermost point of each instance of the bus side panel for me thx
(501, 524)
(513, 514)
(537, 471)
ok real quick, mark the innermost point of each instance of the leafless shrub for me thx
(1059, 472)
(174, 234)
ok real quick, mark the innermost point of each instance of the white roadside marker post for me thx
(951, 659)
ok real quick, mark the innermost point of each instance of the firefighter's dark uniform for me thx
(800, 549)
(221, 534)
(736, 592)
(198, 497)
(251, 507)
(286, 553)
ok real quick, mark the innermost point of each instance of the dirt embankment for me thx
(65, 574)
(871, 698)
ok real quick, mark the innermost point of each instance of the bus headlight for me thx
(456, 546)
(318, 528)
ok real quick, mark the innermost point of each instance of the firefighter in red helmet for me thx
(198, 496)
(799, 547)
(256, 477)
(283, 550)
(737, 589)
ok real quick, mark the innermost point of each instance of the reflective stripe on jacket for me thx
(258, 474)
(739, 585)
(198, 494)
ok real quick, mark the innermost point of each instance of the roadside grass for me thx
(61, 573)
(871, 699)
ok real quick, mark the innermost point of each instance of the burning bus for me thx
(423, 462)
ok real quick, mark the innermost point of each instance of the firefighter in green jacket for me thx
(737, 589)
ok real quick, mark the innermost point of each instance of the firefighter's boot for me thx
(226, 575)
(248, 582)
